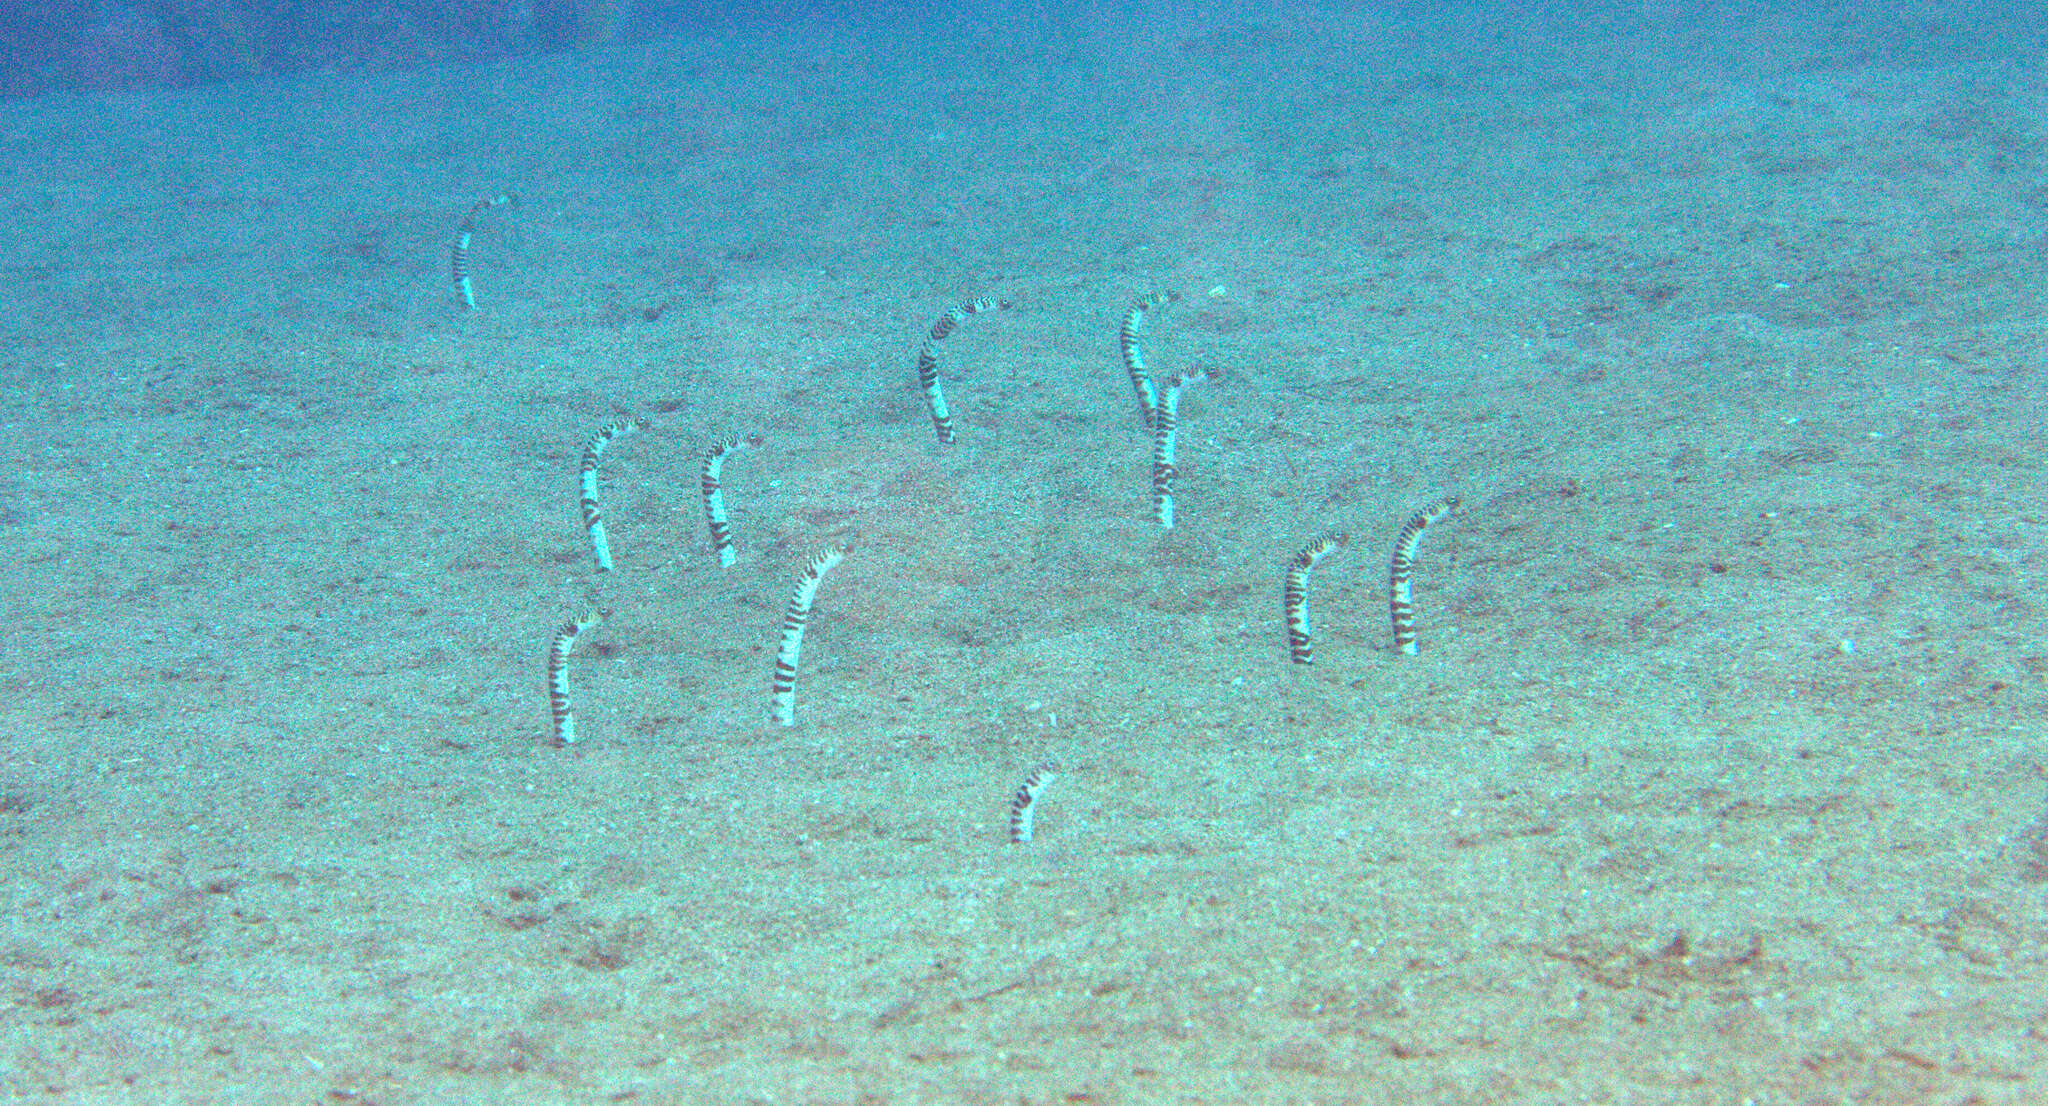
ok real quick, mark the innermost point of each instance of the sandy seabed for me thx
(1718, 776)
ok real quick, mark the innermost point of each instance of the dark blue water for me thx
(172, 43)
(107, 45)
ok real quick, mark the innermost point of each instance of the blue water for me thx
(1714, 778)
(156, 44)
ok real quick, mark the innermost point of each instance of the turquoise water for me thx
(1715, 777)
